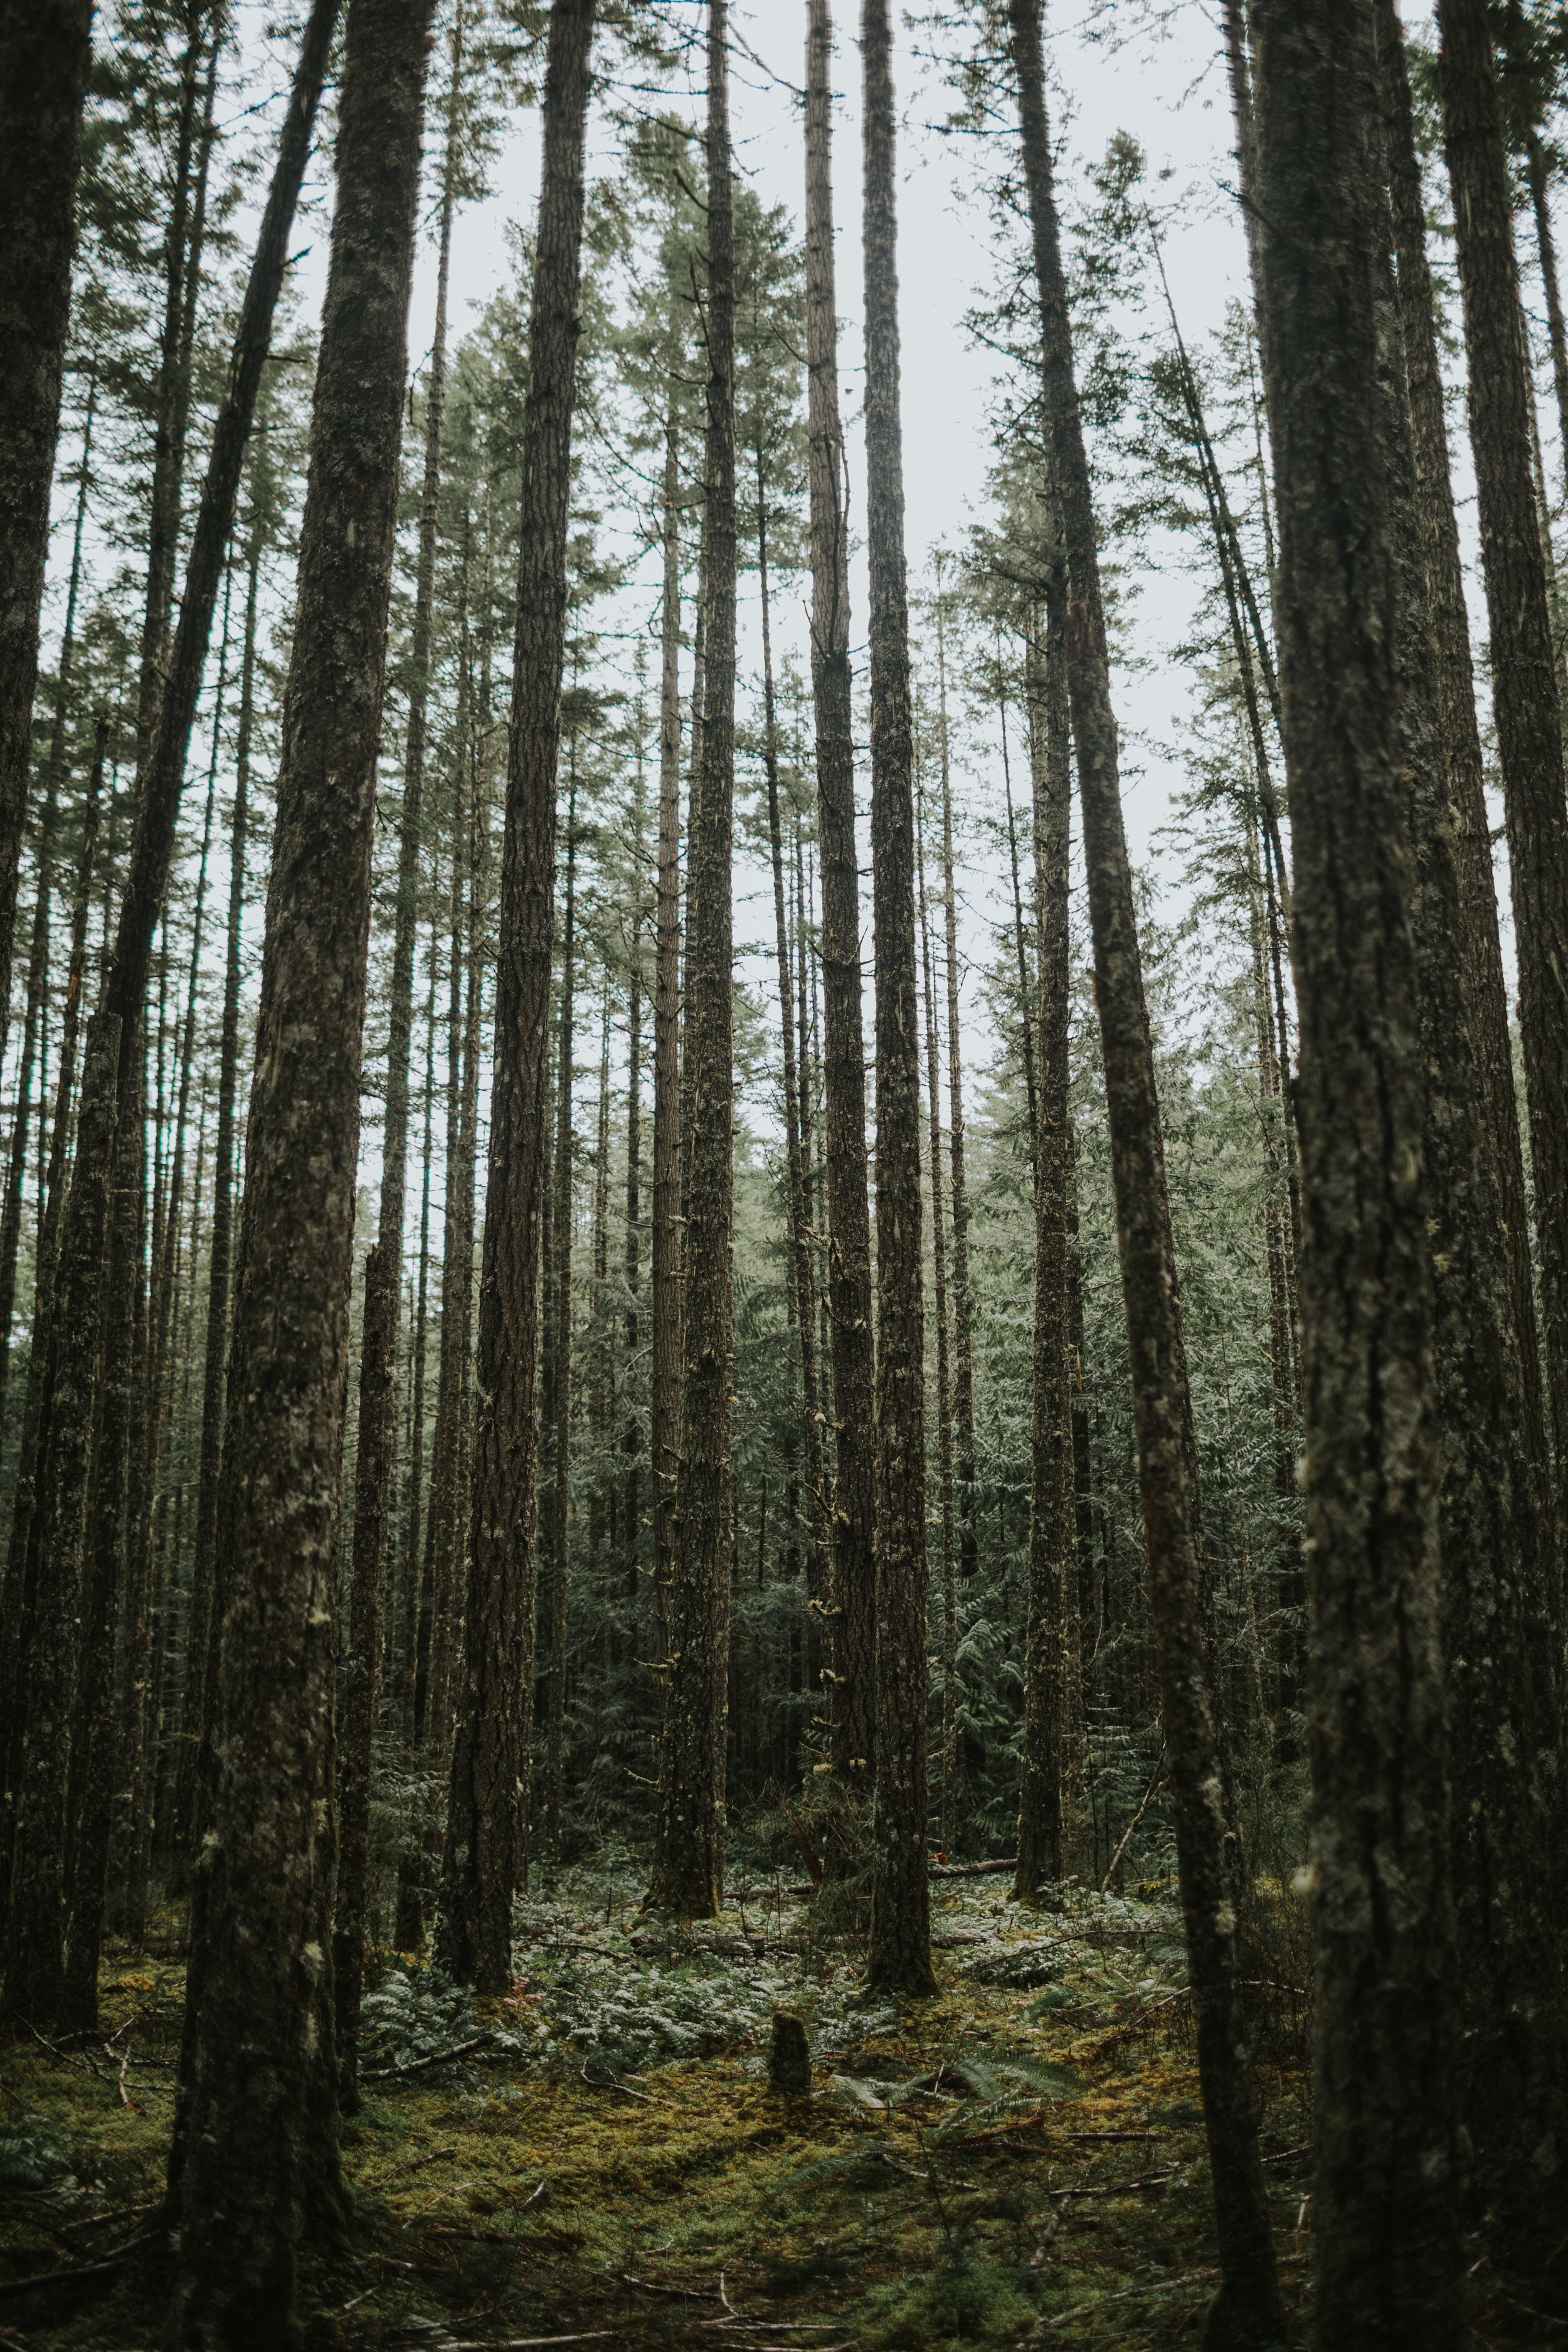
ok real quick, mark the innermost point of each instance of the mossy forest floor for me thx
(1019, 2159)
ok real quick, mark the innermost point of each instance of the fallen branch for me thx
(613, 2083)
(1123, 2295)
(418, 2065)
(1158, 1775)
(73, 2270)
(648, 2287)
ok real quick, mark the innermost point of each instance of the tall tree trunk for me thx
(1536, 175)
(408, 1922)
(140, 1686)
(376, 1464)
(1495, 1529)
(688, 1873)
(38, 952)
(632, 1428)
(1389, 2251)
(205, 1614)
(45, 53)
(255, 2161)
(944, 1375)
(664, 1268)
(898, 1958)
(18, 1590)
(1248, 2310)
(1052, 1496)
(794, 1164)
(488, 1813)
(71, 1394)
(844, 1053)
(962, 1317)
(559, 1421)
(1525, 676)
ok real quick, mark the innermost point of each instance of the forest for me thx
(784, 1301)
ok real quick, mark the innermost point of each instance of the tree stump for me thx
(789, 2055)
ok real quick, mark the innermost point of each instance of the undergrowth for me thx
(1020, 2158)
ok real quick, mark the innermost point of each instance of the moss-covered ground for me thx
(1019, 2159)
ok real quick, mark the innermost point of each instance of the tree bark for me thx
(46, 52)
(1247, 2310)
(853, 1603)
(559, 1416)
(1495, 1527)
(375, 1463)
(688, 1873)
(898, 1958)
(487, 1811)
(944, 1374)
(1052, 1497)
(1389, 2252)
(1524, 677)
(256, 2151)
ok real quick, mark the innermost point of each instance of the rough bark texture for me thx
(1456, 704)
(843, 1044)
(1495, 1529)
(256, 2139)
(688, 1874)
(377, 1449)
(1524, 677)
(1052, 1501)
(1389, 2250)
(1247, 2310)
(898, 1958)
(489, 1795)
(46, 50)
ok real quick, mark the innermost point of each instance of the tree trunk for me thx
(38, 952)
(18, 1590)
(962, 1320)
(255, 2162)
(375, 1463)
(943, 1377)
(1248, 2310)
(1525, 676)
(46, 52)
(1535, 171)
(898, 1957)
(70, 1402)
(795, 1162)
(1495, 1529)
(688, 1873)
(205, 1614)
(1389, 2252)
(853, 1599)
(631, 1428)
(488, 1815)
(1052, 1498)
(559, 1418)
(663, 1270)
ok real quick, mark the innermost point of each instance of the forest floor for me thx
(1019, 2159)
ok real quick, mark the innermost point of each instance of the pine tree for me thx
(257, 2148)
(899, 1958)
(487, 1818)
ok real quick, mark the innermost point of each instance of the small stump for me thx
(789, 2056)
